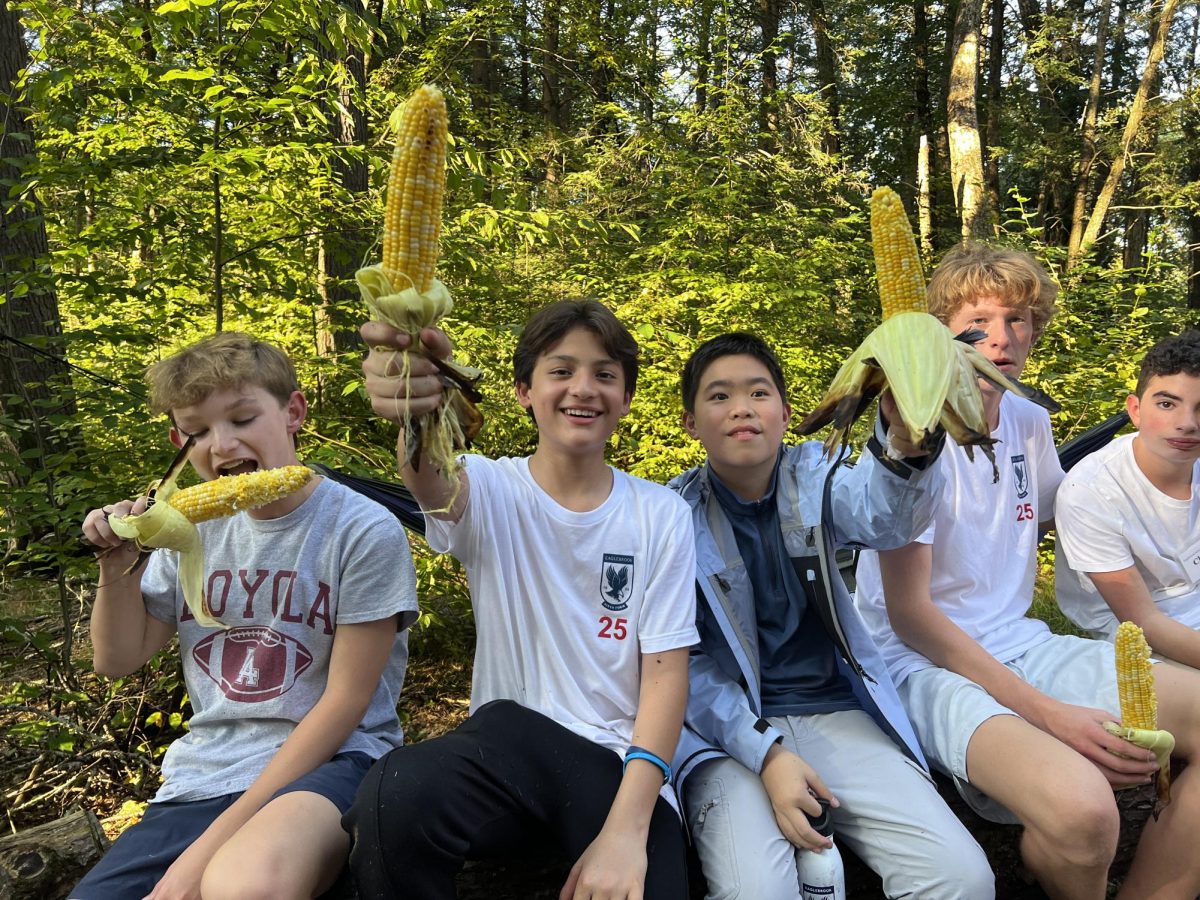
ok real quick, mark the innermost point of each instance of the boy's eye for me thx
(242, 422)
(718, 395)
(761, 392)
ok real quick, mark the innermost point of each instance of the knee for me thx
(391, 803)
(1084, 832)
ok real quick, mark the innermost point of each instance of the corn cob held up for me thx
(932, 375)
(402, 290)
(170, 521)
(1139, 705)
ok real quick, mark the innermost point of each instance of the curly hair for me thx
(1171, 356)
(972, 271)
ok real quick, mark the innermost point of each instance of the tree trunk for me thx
(1137, 113)
(704, 10)
(768, 24)
(344, 241)
(991, 136)
(827, 76)
(926, 155)
(966, 155)
(1087, 155)
(34, 384)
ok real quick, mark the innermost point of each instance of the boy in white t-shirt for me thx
(1128, 536)
(1010, 711)
(582, 585)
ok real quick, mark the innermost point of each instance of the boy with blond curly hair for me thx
(1013, 713)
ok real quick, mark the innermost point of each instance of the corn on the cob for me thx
(1139, 704)
(1135, 678)
(402, 290)
(897, 264)
(413, 215)
(932, 376)
(231, 494)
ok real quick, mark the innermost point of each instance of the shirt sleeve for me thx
(668, 619)
(377, 575)
(160, 586)
(1090, 535)
(1049, 470)
(444, 536)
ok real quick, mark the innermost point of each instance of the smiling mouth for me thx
(582, 413)
(1184, 443)
(743, 432)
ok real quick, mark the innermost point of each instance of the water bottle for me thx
(820, 875)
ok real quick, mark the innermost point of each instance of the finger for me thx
(436, 343)
(799, 833)
(379, 334)
(568, 889)
(822, 790)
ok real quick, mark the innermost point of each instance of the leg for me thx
(742, 853)
(295, 845)
(1066, 805)
(1167, 863)
(144, 852)
(891, 815)
(425, 808)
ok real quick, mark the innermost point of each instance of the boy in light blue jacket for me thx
(789, 698)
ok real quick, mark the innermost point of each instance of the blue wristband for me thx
(636, 752)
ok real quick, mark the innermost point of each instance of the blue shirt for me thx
(797, 658)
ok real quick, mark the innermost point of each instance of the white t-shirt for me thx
(1110, 517)
(283, 586)
(566, 602)
(984, 538)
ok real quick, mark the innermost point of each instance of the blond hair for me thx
(230, 359)
(971, 272)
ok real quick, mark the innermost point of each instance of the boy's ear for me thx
(689, 423)
(522, 391)
(1133, 406)
(297, 411)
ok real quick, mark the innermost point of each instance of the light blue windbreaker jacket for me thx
(877, 504)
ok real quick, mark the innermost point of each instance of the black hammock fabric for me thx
(397, 498)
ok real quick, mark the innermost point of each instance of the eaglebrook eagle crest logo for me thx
(616, 581)
(1021, 474)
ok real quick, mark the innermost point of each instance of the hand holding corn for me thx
(1139, 705)
(169, 521)
(394, 392)
(402, 292)
(932, 374)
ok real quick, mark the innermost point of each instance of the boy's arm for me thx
(919, 623)
(359, 654)
(1126, 594)
(419, 392)
(614, 865)
(124, 635)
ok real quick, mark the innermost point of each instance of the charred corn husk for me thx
(402, 290)
(1139, 704)
(226, 496)
(931, 374)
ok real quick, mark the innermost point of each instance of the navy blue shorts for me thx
(144, 852)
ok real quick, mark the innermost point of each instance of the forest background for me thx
(169, 170)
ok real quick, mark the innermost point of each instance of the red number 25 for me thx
(612, 628)
(1024, 512)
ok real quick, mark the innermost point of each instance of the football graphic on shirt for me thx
(252, 663)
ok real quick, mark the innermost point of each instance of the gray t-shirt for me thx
(282, 586)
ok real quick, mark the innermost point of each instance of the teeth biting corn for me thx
(226, 496)
(932, 376)
(1139, 704)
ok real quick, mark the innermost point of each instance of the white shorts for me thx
(945, 708)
